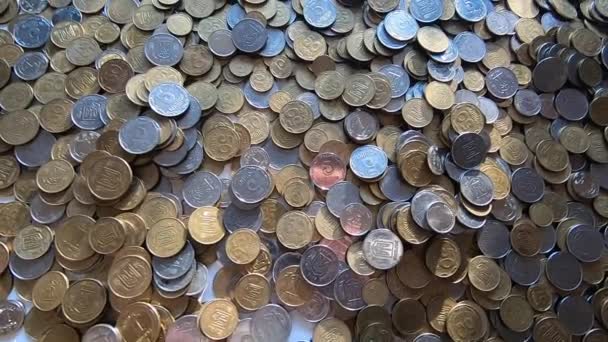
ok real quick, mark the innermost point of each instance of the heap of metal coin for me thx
(385, 170)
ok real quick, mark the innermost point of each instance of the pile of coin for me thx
(334, 170)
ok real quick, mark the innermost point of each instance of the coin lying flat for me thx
(160, 131)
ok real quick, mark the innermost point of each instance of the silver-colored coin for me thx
(251, 184)
(177, 284)
(426, 11)
(382, 249)
(31, 31)
(527, 185)
(242, 332)
(575, 314)
(470, 47)
(185, 329)
(139, 135)
(87, 112)
(564, 271)
(202, 189)
(394, 187)
(237, 218)
(440, 217)
(192, 162)
(37, 152)
(386, 40)
(249, 35)
(319, 13)
(169, 99)
(168, 158)
(361, 126)
(471, 10)
(527, 102)
(340, 195)
(494, 240)
(82, 144)
(348, 290)
(45, 213)
(400, 81)
(502, 83)
(164, 49)
(368, 162)
(468, 220)
(476, 187)
(420, 204)
(12, 316)
(175, 266)
(255, 156)
(400, 25)
(271, 323)
(33, 6)
(198, 285)
(31, 66)
(31, 269)
(220, 43)
(316, 309)
(523, 270)
(192, 115)
(102, 332)
(275, 43)
(508, 209)
(319, 265)
(498, 23)
(585, 243)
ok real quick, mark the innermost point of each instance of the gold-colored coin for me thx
(108, 235)
(55, 176)
(483, 273)
(65, 32)
(294, 229)
(166, 237)
(417, 113)
(469, 312)
(110, 178)
(432, 39)
(443, 257)
(516, 313)
(466, 117)
(296, 117)
(513, 150)
(252, 291)
(205, 225)
(574, 139)
(328, 226)
(32, 242)
(437, 311)
(332, 329)
(10, 53)
(291, 287)
(243, 246)
(129, 276)
(329, 85)
(541, 214)
(309, 45)
(359, 90)
(72, 238)
(439, 95)
(526, 238)
(18, 127)
(84, 301)
(60, 333)
(222, 143)
(415, 169)
(49, 290)
(55, 116)
(375, 292)
(409, 316)
(137, 320)
(209, 321)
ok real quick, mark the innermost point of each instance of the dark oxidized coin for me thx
(501, 83)
(550, 75)
(469, 150)
(527, 185)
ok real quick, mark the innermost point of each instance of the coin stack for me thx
(380, 170)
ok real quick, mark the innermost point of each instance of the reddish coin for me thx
(339, 246)
(326, 170)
